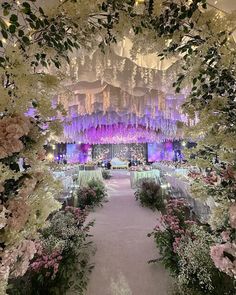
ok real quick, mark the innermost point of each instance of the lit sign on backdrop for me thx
(160, 151)
(79, 153)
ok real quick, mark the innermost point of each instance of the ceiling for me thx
(119, 89)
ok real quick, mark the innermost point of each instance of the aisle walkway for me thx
(123, 248)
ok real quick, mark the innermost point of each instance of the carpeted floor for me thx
(123, 248)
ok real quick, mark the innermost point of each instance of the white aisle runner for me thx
(123, 248)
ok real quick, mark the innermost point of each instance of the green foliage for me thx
(106, 174)
(197, 270)
(99, 188)
(40, 29)
(208, 67)
(150, 195)
(172, 227)
(184, 248)
(164, 241)
(67, 234)
(92, 195)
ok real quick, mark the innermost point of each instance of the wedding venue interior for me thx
(118, 147)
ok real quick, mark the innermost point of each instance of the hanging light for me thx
(50, 156)
(137, 2)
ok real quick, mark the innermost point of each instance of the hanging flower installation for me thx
(116, 134)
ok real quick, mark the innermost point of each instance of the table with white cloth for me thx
(171, 169)
(65, 179)
(85, 176)
(136, 176)
(201, 209)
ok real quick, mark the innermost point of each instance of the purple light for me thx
(113, 134)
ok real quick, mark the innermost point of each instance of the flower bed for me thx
(185, 246)
(92, 195)
(150, 194)
(106, 174)
(61, 262)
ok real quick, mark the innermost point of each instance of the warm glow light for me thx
(137, 2)
(183, 143)
(50, 157)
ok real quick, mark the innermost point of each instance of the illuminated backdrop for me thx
(160, 151)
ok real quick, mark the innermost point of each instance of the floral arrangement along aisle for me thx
(61, 261)
(150, 194)
(92, 195)
(184, 246)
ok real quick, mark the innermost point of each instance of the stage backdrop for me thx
(160, 151)
(135, 152)
(78, 153)
(167, 151)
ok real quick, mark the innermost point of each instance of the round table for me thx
(86, 175)
(136, 176)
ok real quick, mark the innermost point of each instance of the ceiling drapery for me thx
(120, 88)
(112, 90)
(122, 72)
(90, 98)
(100, 107)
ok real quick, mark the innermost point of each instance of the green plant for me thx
(62, 259)
(106, 174)
(172, 228)
(85, 198)
(150, 195)
(99, 189)
(92, 195)
(197, 269)
(184, 247)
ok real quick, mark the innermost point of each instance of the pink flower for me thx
(27, 187)
(18, 259)
(222, 262)
(225, 236)
(14, 131)
(11, 130)
(3, 152)
(20, 211)
(41, 155)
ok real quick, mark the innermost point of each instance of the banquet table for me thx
(136, 176)
(201, 209)
(86, 175)
(171, 169)
(65, 180)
